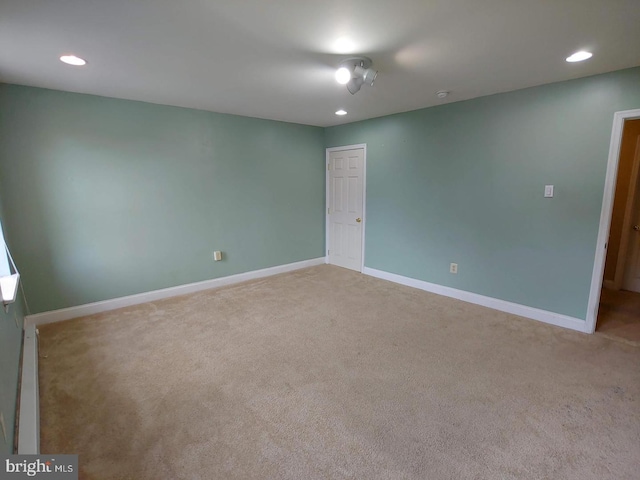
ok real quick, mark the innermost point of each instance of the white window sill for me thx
(9, 288)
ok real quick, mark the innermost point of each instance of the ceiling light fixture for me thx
(579, 56)
(73, 60)
(442, 93)
(355, 72)
(341, 112)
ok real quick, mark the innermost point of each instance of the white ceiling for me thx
(276, 58)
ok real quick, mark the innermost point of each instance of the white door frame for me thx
(605, 216)
(327, 244)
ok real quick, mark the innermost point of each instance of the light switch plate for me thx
(548, 191)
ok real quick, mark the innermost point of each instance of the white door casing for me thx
(345, 206)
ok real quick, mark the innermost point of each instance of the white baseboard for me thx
(29, 416)
(106, 305)
(502, 305)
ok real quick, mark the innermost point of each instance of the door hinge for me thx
(328, 212)
(327, 252)
(328, 166)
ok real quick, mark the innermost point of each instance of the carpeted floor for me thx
(619, 316)
(325, 373)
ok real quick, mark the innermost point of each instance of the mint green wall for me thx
(10, 349)
(106, 198)
(464, 183)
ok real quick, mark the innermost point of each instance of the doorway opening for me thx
(618, 310)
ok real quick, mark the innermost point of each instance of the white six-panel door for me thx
(345, 212)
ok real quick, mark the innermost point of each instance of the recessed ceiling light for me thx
(73, 60)
(579, 56)
(442, 93)
(341, 112)
(343, 75)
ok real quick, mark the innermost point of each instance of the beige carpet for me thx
(324, 373)
(619, 316)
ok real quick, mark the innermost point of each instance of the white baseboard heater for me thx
(29, 416)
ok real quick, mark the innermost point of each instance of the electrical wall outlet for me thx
(453, 268)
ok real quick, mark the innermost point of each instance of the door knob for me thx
(359, 220)
(636, 228)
